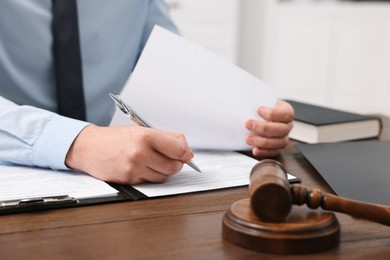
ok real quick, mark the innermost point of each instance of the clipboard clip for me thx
(62, 200)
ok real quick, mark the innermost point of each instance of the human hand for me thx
(271, 136)
(128, 154)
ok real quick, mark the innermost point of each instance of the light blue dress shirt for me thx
(112, 35)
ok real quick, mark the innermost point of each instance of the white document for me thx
(19, 182)
(220, 169)
(180, 86)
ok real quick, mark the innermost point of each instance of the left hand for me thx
(269, 137)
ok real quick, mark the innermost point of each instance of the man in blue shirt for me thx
(112, 36)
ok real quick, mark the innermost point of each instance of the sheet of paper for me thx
(25, 182)
(220, 169)
(178, 85)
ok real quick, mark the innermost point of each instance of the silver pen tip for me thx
(194, 166)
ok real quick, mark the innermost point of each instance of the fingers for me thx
(172, 145)
(159, 163)
(139, 170)
(150, 175)
(269, 129)
(269, 137)
(265, 153)
(282, 112)
(147, 175)
(160, 154)
(263, 143)
(278, 120)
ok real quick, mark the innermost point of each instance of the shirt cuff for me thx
(56, 138)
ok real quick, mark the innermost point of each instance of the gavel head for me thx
(269, 190)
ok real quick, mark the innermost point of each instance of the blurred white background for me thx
(327, 52)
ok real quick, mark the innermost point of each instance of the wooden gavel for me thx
(272, 197)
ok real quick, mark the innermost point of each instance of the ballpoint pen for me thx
(125, 108)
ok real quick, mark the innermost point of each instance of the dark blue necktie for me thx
(67, 59)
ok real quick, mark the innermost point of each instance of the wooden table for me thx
(178, 227)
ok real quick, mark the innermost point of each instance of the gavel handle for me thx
(314, 198)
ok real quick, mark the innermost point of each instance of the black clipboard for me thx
(125, 193)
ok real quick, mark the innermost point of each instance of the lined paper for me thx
(19, 182)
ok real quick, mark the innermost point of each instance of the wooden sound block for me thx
(303, 231)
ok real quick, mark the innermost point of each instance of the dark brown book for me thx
(318, 124)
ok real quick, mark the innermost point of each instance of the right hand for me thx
(128, 154)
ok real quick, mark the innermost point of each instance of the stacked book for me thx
(317, 124)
